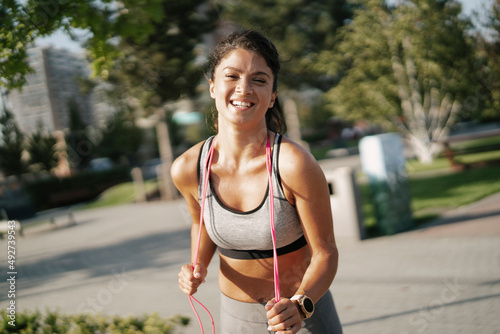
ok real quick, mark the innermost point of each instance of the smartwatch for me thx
(306, 305)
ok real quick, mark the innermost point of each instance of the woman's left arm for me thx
(305, 185)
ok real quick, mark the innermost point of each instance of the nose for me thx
(244, 86)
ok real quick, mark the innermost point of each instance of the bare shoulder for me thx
(185, 169)
(296, 161)
(301, 175)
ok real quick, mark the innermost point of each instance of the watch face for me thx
(308, 305)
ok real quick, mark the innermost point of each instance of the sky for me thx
(59, 38)
(469, 5)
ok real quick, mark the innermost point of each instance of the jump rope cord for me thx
(273, 231)
(208, 165)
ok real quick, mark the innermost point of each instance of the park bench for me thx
(5, 226)
(53, 216)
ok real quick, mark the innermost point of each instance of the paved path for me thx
(123, 260)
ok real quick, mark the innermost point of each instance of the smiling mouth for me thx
(241, 104)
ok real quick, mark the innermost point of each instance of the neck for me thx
(237, 147)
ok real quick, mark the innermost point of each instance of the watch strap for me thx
(297, 297)
(302, 307)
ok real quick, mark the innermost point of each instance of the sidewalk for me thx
(443, 278)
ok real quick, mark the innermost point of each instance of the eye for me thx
(260, 81)
(231, 76)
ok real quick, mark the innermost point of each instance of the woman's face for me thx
(243, 89)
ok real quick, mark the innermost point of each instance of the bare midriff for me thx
(252, 281)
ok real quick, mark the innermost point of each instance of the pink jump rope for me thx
(208, 165)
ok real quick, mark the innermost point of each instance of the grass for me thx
(476, 143)
(120, 194)
(478, 157)
(448, 189)
(455, 189)
(445, 189)
(320, 152)
(414, 166)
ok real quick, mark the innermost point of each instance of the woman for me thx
(243, 81)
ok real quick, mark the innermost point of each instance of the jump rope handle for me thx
(206, 176)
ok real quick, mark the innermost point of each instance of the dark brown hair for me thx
(254, 41)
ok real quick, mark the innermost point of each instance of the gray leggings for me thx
(250, 318)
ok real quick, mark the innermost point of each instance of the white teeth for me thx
(241, 104)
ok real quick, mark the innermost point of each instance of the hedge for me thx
(55, 192)
(55, 323)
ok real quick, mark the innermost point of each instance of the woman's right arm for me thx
(185, 177)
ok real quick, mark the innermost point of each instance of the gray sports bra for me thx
(247, 235)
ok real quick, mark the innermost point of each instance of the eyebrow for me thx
(238, 70)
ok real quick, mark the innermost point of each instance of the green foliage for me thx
(22, 22)
(428, 33)
(53, 192)
(149, 48)
(120, 137)
(407, 68)
(158, 62)
(57, 323)
(301, 29)
(15, 34)
(122, 193)
(78, 145)
(11, 145)
(362, 60)
(488, 50)
(41, 147)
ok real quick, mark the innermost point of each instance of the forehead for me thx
(244, 61)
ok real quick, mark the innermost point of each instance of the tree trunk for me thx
(292, 122)
(426, 120)
(167, 188)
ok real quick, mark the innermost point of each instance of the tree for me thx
(409, 67)
(300, 29)
(79, 146)
(158, 38)
(489, 57)
(155, 61)
(41, 148)
(11, 145)
(162, 66)
(15, 33)
(120, 137)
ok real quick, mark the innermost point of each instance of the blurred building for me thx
(50, 89)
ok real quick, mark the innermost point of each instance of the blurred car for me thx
(150, 169)
(100, 164)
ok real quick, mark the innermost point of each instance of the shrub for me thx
(55, 323)
(54, 192)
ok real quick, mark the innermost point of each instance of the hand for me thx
(284, 316)
(190, 279)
